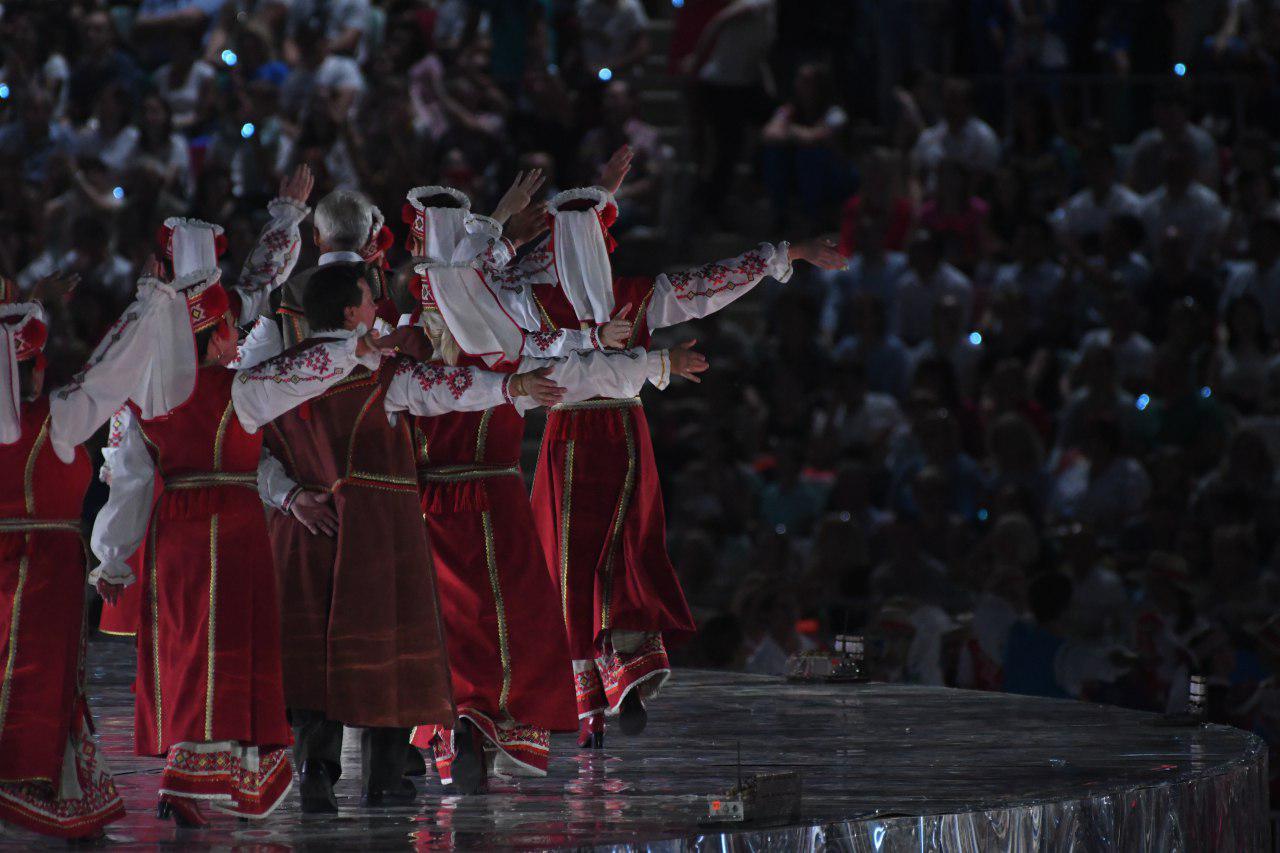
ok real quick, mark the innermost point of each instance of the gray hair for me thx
(343, 219)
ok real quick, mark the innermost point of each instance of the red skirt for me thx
(209, 632)
(508, 656)
(598, 509)
(42, 578)
(44, 719)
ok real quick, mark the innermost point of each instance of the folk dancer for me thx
(53, 778)
(208, 694)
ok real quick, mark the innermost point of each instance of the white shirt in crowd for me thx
(1085, 214)
(1198, 214)
(737, 58)
(913, 309)
(976, 145)
(609, 29)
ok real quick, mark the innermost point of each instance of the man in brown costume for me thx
(363, 643)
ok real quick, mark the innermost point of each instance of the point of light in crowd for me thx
(1180, 69)
(679, 4)
(1206, 392)
(983, 515)
(246, 129)
(118, 192)
(975, 338)
(1142, 402)
(4, 90)
(605, 74)
(229, 57)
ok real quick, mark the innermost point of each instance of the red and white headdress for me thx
(379, 243)
(457, 292)
(580, 245)
(434, 232)
(182, 308)
(23, 332)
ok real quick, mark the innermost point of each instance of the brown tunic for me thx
(363, 641)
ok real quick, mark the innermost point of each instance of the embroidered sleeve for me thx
(267, 390)
(118, 370)
(432, 388)
(272, 259)
(121, 525)
(695, 293)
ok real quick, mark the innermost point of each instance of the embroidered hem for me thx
(36, 806)
(519, 750)
(237, 780)
(646, 669)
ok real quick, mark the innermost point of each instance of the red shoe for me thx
(185, 813)
(591, 732)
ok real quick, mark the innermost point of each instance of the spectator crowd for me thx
(1027, 441)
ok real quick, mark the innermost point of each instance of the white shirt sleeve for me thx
(121, 524)
(276, 488)
(266, 391)
(118, 369)
(696, 293)
(431, 388)
(613, 374)
(272, 259)
(561, 342)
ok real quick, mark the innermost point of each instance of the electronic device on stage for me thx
(764, 798)
(1197, 705)
(847, 664)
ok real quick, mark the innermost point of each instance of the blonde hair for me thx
(442, 340)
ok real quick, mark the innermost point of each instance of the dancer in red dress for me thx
(596, 496)
(208, 689)
(53, 779)
(508, 657)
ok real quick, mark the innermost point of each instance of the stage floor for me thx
(883, 767)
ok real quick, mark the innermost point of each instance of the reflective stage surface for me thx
(883, 767)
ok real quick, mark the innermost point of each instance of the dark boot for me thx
(468, 759)
(315, 787)
(632, 718)
(383, 755)
(414, 763)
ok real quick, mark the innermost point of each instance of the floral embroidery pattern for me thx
(429, 376)
(546, 340)
(313, 364)
(717, 277)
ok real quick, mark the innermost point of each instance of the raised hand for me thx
(615, 333)
(517, 198)
(58, 286)
(686, 362)
(535, 384)
(613, 173)
(527, 225)
(314, 511)
(298, 184)
(820, 253)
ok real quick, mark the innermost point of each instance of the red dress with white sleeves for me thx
(507, 651)
(209, 633)
(51, 777)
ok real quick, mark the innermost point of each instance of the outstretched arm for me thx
(433, 388)
(692, 294)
